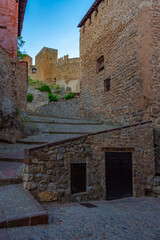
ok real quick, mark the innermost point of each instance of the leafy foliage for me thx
(52, 97)
(30, 98)
(45, 88)
(20, 54)
(69, 96)
(31, 82)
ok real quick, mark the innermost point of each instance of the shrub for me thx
(52, 97)
(30, 98)
(31, 82)
(57, 87)
(69, 96)
(45, 88)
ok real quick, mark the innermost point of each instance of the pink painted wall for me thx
(9, 26)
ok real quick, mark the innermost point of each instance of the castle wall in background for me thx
(51, 70)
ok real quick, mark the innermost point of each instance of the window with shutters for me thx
(78, 177)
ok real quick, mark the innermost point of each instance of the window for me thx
(78, 177)
(90, 20)
(100, 64)
(107, 84)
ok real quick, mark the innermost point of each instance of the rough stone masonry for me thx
(48, 168)
(120, 61)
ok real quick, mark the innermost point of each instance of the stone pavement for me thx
(127, 219)
(19, 208)
(10, 172)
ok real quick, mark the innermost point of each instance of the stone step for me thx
(51, 116)
(45, 118)
(19, 208)
(65, 123)
(46, 138)
(13, 157)
(10, 173)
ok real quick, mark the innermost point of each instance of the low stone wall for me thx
(47, 168)
(62, 108)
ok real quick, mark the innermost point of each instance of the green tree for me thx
(20, 54)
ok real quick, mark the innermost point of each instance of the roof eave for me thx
(22, 8)
(89, 13)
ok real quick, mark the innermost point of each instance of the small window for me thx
(90, 20)
(100, 64)
(78, 177)
(107, 84)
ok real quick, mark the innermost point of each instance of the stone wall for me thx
(62, 108)
(127, 35)
(13, 90)
(67, 73)
(47, 168)
(13, 79)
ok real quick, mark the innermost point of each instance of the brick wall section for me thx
(47, 168)
(13, 79)
(9, 26)
(122, 32)
(62, 108)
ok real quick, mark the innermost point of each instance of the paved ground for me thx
(128, 219)
(18, 207)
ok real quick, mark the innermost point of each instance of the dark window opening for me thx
(100, 64)
(107, 84)
(78, 177)
(3, 27)
(90, 20)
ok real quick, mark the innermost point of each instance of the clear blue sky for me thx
(53, 23)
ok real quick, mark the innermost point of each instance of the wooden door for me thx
(78, 177)
(119, 182)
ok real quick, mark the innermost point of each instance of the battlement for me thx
(65, 59)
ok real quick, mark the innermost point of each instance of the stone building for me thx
(13, 73)
(120, 61)
(51, 70)
(120, 84)
(11, 21)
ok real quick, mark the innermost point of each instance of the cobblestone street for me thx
(127, 219)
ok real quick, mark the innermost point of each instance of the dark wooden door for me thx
(78, 177)
(119, 181)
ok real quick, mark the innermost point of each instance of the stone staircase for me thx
(17, 205)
